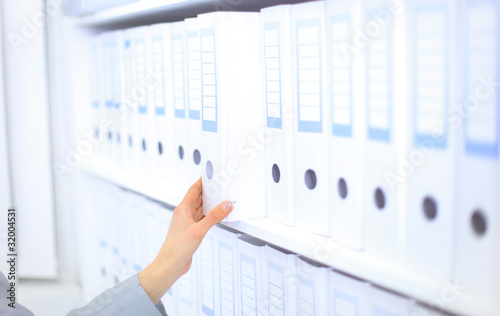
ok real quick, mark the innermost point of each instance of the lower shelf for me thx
(391, 276)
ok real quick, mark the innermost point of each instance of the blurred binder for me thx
(193, 97)
(347, 117)
(251, 278)
(142, 85)
(96, 108)
(178, 96)
(386, 73)
(280, 282)
(277, 49)
(348, 296)
(478, 202)
(312, 288)
(129, 104)
(430, 218)
(159, 94)
(311, 115)
(227, 282)
(386, 303)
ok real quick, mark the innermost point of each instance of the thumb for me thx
(217, 214)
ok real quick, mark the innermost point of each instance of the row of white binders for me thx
(376, 123)
(231, 274)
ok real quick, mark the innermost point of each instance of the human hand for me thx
(186, 231)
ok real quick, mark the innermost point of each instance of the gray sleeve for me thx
(127, 298)
(5, 309)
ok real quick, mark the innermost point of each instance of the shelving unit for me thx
(316, 247)
(391, 276)
(150, 12)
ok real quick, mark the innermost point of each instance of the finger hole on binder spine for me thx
(129, 140)
(310, 179)
(118, 138)
(429, 206)
(144, 145)
(110, 135)
(342, 188)
(479, 223)
(276, 173)
(96, 132)
(196, 157)
(209, 169)
(181, 153)
(160, 148)
(379, 197)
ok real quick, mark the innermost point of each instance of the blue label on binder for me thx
(226, 269)
(430, 108)
(194, 75)
(208, 80)
(271, 286)
(309, 69)
(341, 75)
(481, 45)
(141, 71)
(178, 75)
(159, 68)
(346, 298)
(379, 84)
(272, 64)
(305, 306)
(249, 282)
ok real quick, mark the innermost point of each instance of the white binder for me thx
(208, 293)
(178, 96)
(310, 110)
(96, 108)
(108, 98)
(159, 97)
(169, 299)
(112, 94)
(193, 98)
(136, 230)
(232, 113)
(386, 103)
(250, 276)
(277, 50)
(312, 285)
(385, 303)
(347, 122)
(431, 194)
(187, 291)
(143, 75)
(478, 201)
(129, 104)
(280, 282)
(348, 296)
(226, 271)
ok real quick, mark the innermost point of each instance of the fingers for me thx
(216, 215)
(193, 193)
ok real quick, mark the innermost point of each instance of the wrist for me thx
(156, 279)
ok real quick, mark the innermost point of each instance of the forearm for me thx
(156, 279)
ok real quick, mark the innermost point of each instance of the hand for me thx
(186, 231)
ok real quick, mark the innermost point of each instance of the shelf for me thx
(148, 12)
(359, 264)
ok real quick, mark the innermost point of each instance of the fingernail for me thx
(228, 206)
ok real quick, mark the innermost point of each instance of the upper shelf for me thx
(147, 12)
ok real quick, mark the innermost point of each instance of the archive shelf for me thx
(150, 12)
(394, 277)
